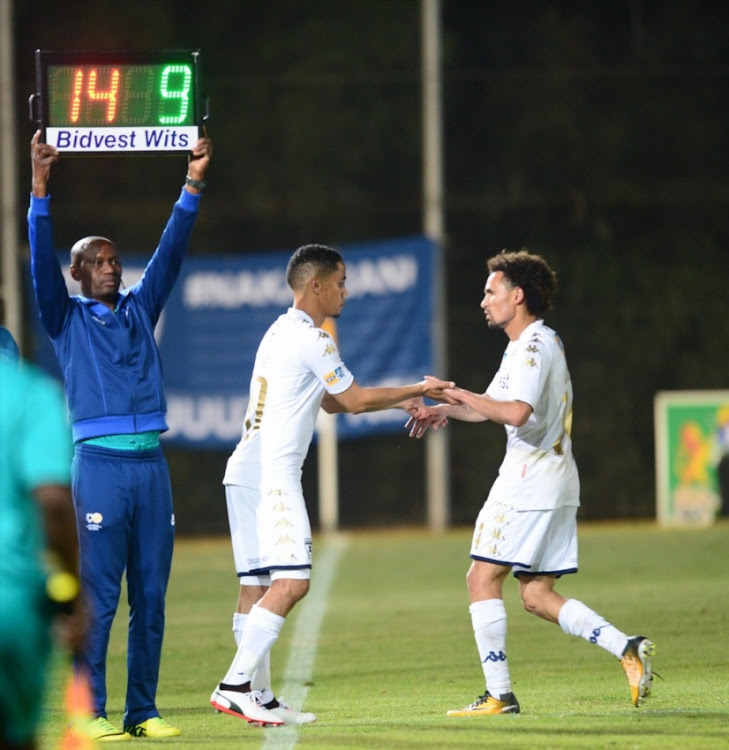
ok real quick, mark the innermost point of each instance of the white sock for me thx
(577, 619)
(261, 632)
(261, 678)
(489, 628)
(239, 623)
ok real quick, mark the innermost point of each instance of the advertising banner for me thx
(222, 305)
(692, 453)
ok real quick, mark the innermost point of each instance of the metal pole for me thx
(11, 295)
(437, 471)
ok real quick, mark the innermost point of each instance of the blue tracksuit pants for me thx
(125, 520)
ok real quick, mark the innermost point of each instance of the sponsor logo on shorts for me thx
(309, 548)
(93, 521)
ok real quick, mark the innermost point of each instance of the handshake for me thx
(422, 415)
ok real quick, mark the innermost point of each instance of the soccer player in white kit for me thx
(297, 370)
(528, 522)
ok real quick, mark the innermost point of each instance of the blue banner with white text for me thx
(221, 306)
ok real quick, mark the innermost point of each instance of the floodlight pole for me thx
(437, 470)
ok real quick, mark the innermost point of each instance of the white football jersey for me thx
(538, 471)
(295, 363)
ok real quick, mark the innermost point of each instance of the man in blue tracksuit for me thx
(104, 342)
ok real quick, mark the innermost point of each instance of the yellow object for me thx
(62, 587)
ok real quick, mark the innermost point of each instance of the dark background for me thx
(593, 133)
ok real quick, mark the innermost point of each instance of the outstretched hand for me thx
(42, 155)
(435, 387)
(424, 417)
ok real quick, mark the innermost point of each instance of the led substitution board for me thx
(119, 102)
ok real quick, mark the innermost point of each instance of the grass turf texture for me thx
(396, 649)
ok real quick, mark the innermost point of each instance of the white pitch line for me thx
(302, 652)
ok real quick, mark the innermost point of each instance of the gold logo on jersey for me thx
(477, 540)
(284, 539)
(283, 523)
(532, 348)
(529, 362)
(281, 507)
(329, 349)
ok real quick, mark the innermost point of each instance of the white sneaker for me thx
(245, 706)
(290, 715)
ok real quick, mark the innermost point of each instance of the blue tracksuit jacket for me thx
(110, 363)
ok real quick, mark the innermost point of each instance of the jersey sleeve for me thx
(323, 359)
(530, 372)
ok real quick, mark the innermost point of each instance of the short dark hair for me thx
(531, 273)
(309, 261)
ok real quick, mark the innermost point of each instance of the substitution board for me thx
(119, 102)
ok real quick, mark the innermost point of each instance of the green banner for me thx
(692, 438)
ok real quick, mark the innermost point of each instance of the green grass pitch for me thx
(396, 651)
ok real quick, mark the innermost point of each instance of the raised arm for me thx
(42, 156)
(164, 267)
(48, 283)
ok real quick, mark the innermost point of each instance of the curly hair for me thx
(531, 273)
(311, 260)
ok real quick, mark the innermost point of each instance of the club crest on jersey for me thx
(93, 521)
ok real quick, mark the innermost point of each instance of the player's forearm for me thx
(60, 525)
(514, 413)
(462, 412)
(384, 397)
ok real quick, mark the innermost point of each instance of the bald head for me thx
(90, 244)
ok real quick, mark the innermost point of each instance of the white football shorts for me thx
(536, 542)
(270, 539)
